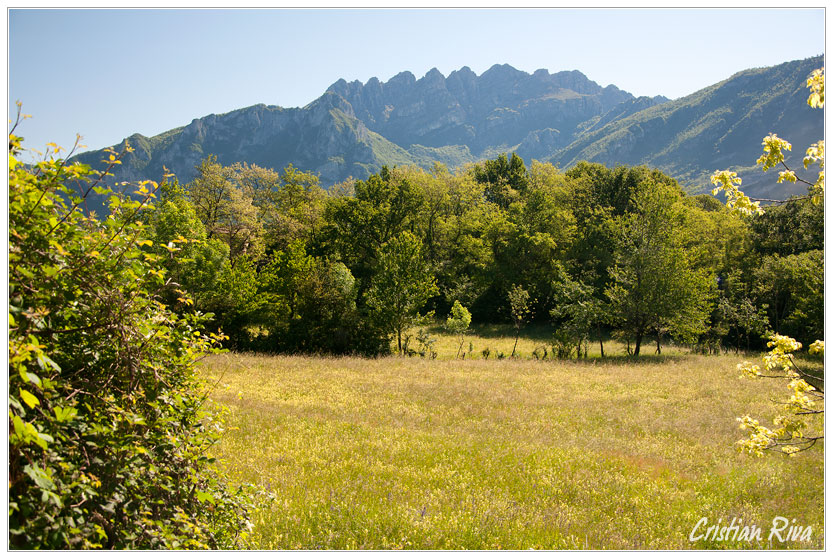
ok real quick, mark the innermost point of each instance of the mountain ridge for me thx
(355, 128)
(723, 123)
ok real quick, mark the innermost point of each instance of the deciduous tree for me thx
(520, 310)
(401, 286)
(655, 286)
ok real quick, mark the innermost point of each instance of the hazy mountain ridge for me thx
(354, 128)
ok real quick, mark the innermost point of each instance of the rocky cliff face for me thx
(325, 137)
(501, 107)
(354, 128)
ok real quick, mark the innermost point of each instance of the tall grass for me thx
(500, 339)
(416, 453)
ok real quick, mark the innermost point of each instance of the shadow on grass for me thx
(538, 333)
(643, 359)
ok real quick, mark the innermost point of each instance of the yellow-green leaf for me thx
(29, 398)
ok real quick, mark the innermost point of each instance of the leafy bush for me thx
(563, 345)
(109, 424)
(458, 323)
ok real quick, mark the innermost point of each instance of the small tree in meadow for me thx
(458, 323)
(657, 285)
(402, 285)
(520, 310)
(579, 311)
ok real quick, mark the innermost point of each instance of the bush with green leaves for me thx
(578, 313)
(109, 423)
(458, 323)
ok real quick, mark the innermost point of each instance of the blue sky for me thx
(109, 73)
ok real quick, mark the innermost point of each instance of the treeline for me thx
(287, 266)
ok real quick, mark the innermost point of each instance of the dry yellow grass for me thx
(415, 453)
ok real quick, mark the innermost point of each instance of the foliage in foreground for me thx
(109, 427)
(790, 433)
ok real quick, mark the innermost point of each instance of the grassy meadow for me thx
(510, 454)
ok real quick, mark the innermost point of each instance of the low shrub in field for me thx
(108, 423)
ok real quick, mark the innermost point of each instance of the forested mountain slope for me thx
(719, 127)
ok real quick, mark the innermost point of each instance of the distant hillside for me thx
(719, 127)
(354, 129)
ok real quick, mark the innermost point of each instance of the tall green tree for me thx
(193, 262)
(462, 251)
(360, 225)
(236, 303)
(578, 311)
(656, 289)
(529, 240)
(401, 286)
(503, 179)
(786, 229)
(290, 204)
(792, 288)
(226, 209)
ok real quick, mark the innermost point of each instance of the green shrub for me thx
(458, 323)
(109, 425)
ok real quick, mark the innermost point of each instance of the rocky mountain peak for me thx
(502, 71)
(403, 79)
(434, 75)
